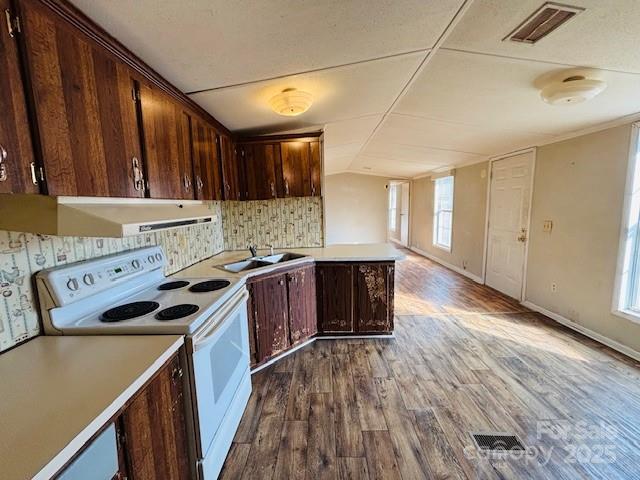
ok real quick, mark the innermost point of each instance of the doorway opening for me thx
(398, 223)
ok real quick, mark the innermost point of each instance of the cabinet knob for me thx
(286, 187)
(3, 164)
(187, 182)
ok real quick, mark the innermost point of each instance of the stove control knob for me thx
(151, 259)
(73, 284)
(135, 264)
(158, 256)
(88, 279)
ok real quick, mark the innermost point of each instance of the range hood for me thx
(99, 217)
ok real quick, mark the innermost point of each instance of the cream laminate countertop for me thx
(366, 252)
(57, 392)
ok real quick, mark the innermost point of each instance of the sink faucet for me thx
(253, 249)
(270, 249)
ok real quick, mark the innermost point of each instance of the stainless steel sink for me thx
(257, 262)
(243, 265)
(281, 257)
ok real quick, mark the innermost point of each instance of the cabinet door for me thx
(269, 302)
(206, 162)
(154, 426)
(296, 169)
(230, 170)
(84, 108)
(16, 152)
(335, 292)
(166, 128)
(374, 297)
(315, 153)
(260, 161)
(303, 319)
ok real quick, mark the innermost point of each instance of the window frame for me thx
(393, 206)
(626, 293)
(437, 211)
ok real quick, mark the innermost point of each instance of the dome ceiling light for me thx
(291, 102)
(575, 85)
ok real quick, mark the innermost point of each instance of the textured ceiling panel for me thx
(604, 35)
(339, 94)
(200, 44)
(500, 93)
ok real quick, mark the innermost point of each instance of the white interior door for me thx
(404, 215)
(508, 223)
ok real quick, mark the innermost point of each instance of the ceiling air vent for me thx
(542, 22)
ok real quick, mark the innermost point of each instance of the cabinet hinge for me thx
(13, 23)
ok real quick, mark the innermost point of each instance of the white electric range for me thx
(128, 293)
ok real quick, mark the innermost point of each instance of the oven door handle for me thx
(206, 335)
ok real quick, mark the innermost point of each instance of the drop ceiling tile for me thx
(499, 92)
(605, 35)
(204, 44)
(471, 139)
(354, 130)
(419, 154)
(340, 93)
(390, 168)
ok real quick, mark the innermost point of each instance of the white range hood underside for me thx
(98, 217)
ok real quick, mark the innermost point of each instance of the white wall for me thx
(579, 185)
(355, 208)
(469, 212)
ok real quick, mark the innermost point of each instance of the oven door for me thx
(220, 361)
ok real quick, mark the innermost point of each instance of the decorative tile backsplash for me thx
(282, 223)
(23, 254)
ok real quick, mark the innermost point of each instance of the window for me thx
(393, 207)
(626, 302)
(443, 212)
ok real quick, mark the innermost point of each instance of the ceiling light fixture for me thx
(575, 85)
(291, 102)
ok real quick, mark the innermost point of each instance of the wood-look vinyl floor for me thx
(465, 359)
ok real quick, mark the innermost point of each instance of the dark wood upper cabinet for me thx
(85, 112)
(167, 145)
(260, 160)
(303, 318)
(230, 168)
(206, 162)
(315, 159)
(16, 151)
(296, 168)
(335, 297)
(374, 297)
(270, 313)
(154, 428)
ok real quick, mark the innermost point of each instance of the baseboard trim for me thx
(456, 269)
(398, 242)
(619, 347)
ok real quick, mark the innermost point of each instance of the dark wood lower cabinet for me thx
(355, 297)
(374, 285)
(282, 311)
(270, 306)
(155, 437)
(290, 306)
(303, 317)
(335, 297)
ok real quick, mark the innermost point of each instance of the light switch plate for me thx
(547, 226)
